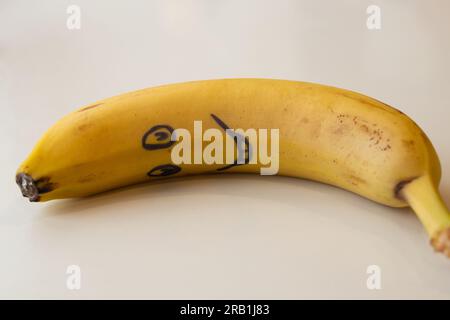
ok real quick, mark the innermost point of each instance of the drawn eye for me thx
(164, 170)
(158, 137)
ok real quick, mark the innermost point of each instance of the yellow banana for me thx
(326, 134)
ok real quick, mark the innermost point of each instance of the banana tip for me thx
(441, 242)
(27, 186)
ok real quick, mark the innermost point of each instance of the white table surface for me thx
(209, 237)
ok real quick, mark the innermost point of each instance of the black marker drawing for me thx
(164, 170)
(161, 133)
(247, 149)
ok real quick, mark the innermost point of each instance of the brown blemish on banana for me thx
(441, 242)
(364, 128)
(359, 123)
(339, 131)
(44, 185)
(344, 125)
(87, 178)
(409, 144)
(84, 126)
(355, 180)
(376, 136)
(400, 185)
(316, 129)
(90, 107)
(341, 117)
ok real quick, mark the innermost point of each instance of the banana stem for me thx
(424, 198)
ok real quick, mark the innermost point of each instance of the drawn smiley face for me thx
(159, 137)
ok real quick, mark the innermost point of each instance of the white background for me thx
(209, 237)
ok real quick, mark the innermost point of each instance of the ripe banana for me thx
(326, 134)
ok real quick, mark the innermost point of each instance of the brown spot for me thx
(400, 185)
(364, 128)
(87, 178)
(356, 180)
(387, 147)
(84, 126)
(441, 241)
(44, 185)
(90, 107)
(316, 129)
(408, 143)
(305, 120)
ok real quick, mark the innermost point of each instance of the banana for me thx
(326, 134)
